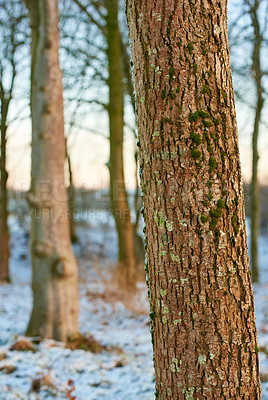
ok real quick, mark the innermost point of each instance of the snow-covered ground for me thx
(125, 371)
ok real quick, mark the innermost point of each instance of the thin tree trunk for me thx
(12, 25)
(4, 232)
(117, 181)
(55, 282)
(255, 195)
(255, 189)
(137, 199)
(130, 92)
(71, 201)
(127, 73)
(138, 241)
(201, 301)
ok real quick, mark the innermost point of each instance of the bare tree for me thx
(248, 32)
(104, 17)
(55, 281)
(202, 310)
(13, 37)
(117, 180)
(257, 74)
(129, 92)
(71, 198)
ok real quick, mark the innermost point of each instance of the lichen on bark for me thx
(199, 269)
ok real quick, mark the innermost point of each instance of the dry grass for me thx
(45, 380)
(115, 290)
(7, 368)
(3, 356)
(70, 390)
(23, 345)
(86, 343)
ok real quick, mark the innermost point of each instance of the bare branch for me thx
(93, 20)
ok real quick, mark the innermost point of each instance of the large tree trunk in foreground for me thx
(202, 310)
(4, 232)
(55, 283)
(116, 123)
(255, 189)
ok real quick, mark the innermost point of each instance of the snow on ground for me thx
(126, 374)
(123, 373)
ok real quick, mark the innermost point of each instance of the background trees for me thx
(105, 18)
(194, 210)
(198, 271)
(249, 35)
(13, 31)
(116, 118)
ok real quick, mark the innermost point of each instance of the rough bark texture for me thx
(4, 232)
(202, 310)
(116, 123)
(55, 283)
(255, 189)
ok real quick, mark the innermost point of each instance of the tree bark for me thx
(118, 191)
(202, 310)
(255, 189)
(4, 231)
(55, 281)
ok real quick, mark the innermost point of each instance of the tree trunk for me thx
(127, 73)
(202, 310)
(55, 283)
(116, 123)
(138, 240)
(71, 201)
(4, 232)
(10, 30)
(255, 190)
(255, 195)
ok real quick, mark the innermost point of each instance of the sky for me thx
(89, 154)
(90, 151)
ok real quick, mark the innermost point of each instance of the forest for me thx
(133, 199)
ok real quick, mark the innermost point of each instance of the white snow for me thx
(126, 374)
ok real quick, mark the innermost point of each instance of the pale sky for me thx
(90, 152)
